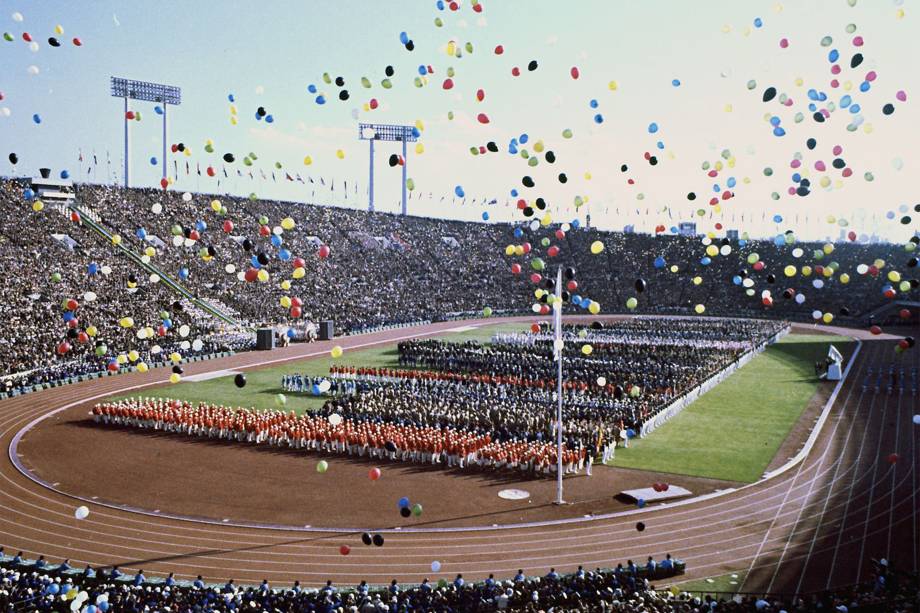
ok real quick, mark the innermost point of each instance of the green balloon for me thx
(537, 264)
(416, 509)
(632, 303)
(56, 276)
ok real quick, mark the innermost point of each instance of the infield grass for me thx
(733, 431)
(263, 385)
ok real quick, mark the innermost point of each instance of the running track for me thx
(815, 526)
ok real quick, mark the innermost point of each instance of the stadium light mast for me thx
(148, 92)
(387, 132)
(557, 349)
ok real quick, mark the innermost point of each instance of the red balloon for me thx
(480, 95)
(904, 313)
(75, 217)
(161, 331)
(767, 301)
(373, 103)
(521, 204)
(482, 150)
(535, 277)
(175, 148)
(851, 235)
(295, 301)
(552, 251)
(164, 183)
(323, 252)
(873, 270)
(63, 348)
(544, 309)
(447, 84)
(535, 328)
(194, 235)
(344, 550)
(574, 72)
(265, 231)
(72, 304)
(129, 115)
(758, 266)
(515, 269)
(526, 247)
(560, 235)
(77, 42)
(453, 6)
(572, 285)
(251, 275)
(374, 474)
(477, 7)
(112, 366)
(27, 37)
(298, 263)
(73, 323)
(296, 312)
(83, 337)
(890, 293)
(893, 458)
(228, 226)
(903, 344)
(499, 49)
(482, 118)
(515, 72)
(211, 171)
(718, 226)
(819, 270)
(875, 330)
(664, 487)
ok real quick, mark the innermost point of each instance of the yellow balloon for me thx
(58, 29)
(133, 355)
(215, 206)
(286, 285)
(307, 160)
(286, 302)
(894, 276)
(287, 223)
(175, 377)
(587, 349)
(126, 322)
(697, 280)
(700, 309)
(262, 275)
(336, 352)
(116, 240)
(712, 251)
(340, 154)
(299, 273)
(121, 359)
(844, 278)
(419, 148)
(519, 250)
(597, 247)
(789, 270)
(150, 252)
(612, 86)
(142, 367)
(175, 357)
(509, 250)
(38, 205)
(91, 331)
(233, 121)
(594, 308)
(827, 318)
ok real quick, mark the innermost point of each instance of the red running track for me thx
(815, 526)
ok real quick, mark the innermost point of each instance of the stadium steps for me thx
(175, 286)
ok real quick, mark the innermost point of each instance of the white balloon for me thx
(186, 197)
(81, 512)
(89, 296)
(241, 275)
(230, 269)
(335, 419)
(184, 330)
(157, 208)
(141, 333)
(799, 298)
(33, 47)
(277, 230)
(154, 278)
(185, 345)
(602, 381)
(917, 420)
(188, 242)
(177, 241)
(17, 17)
(435, 566)
(106, 270)
(816, 314)
(5, 111)
(197, 344)
(156, 349)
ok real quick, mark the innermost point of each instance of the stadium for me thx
(468, 318)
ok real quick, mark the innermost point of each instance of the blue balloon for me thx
(512, 149)
(167, 323)
(518, 233)
(652, 128)
(812, 107)
(200, 225)
(422, 70)
(103, 606)
(159, 109)
(514, 193)
(254, 262)
(153, 160)
(65, 174)
(575, 223)
(458, 191)
(258, 117)
(640, 503)
(675, 82)
(231, 98)
(779, 241)
(415, 132)
(68, 316)
(659, 262)
(598, 118)
(276, 240)
(321, 99)
(269, 119)
(311, 88)
(485, 216)
(833, 56)
(37, 118)
(404, 38)
(775, 121)
(865, 86)
(855, 109)
(440, 5)
(183, 273)
(731, 182)
(845, 101)
(316, 391)
(54, 588)
(524, 138)
(403, 503)
(92, 269)
(28, 194)
(91, 608)
(777, 131)
(737, 279)
(576, 299)
(706, 260)
(742, 242)
(593, 104)
(284, 255)
(812, 94)
(796, 177)
(758, 22)
(716, 188)
(290, 333)
(141, 233)
(778, 218)
(673, 229)
(660, 144)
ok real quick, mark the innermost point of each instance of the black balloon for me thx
(596, 325)
(653, 161)
(769, 94)
(181, 147)
(343, 95)
(640, 285)
(262, 259)
(888, 109)
(340, 81)
(624, 168)
(528, 211)
(550, 157)
(54, 42)
(14, 159)
(405, 512)
(541, 203)
(366, 538)
(228, 157)
(527, 181)
(261, 111)
(390, 446)
(569, 273)
(247, 244)
(691, 196)
(771, 278)
(563, 178)
(640, 527)
(389, 71)
(394, 160)
(617, 392)
(811, 143)
(239, 380)
(532, 65)
(410, 46)
(177, 369)
(378, 538)
(856, 60)
(491, 146)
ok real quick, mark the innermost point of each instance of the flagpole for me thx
(557, 308)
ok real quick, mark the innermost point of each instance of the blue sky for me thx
(266, 54)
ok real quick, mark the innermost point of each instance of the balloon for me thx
(403, 503)
(631, 303)
(378, 540)
(280, 400)
(366, 538)
(435, 566)
(417, 509)
(81, 512)
(374, 474)
(322, 466)
(239, 380)
(336, 352)
(597, 247)
(344, 550)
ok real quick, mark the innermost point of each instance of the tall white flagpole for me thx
(557, 348)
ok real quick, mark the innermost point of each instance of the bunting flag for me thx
(288, 176)
(81, 155)
(187, 171)
(175, 169)
(225, 171)
(198, 168)
(273, 177)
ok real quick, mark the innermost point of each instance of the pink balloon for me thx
(783, 43)
(838, 149)
(819, 165)
(901, 95)
(857, 41)
(871, 76)
(374, 474)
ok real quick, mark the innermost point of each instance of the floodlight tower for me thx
(148, 92)
(387, 132)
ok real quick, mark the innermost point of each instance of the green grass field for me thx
(734, 431)
(263, 385)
